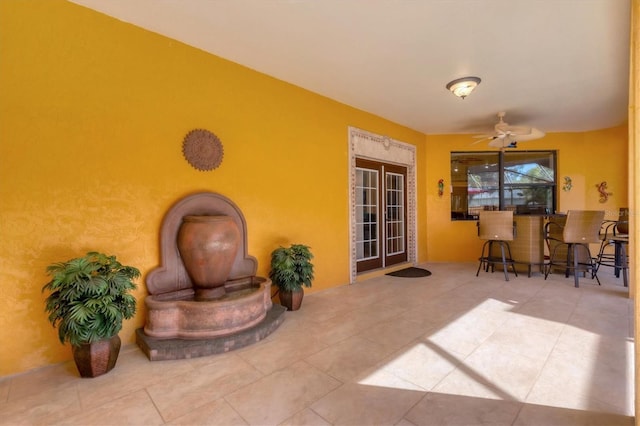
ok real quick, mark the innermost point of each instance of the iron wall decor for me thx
(202, 149)
(602, 190)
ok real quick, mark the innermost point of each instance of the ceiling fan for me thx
(506, 136)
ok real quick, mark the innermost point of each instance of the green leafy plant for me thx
(90, 297)
(291, 267)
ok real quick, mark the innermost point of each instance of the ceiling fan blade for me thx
(515, 130)
(479, 140)
(534, 134)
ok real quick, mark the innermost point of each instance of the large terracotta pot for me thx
(208, 246)
(97, 358)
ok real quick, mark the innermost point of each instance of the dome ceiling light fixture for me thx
(461, 87)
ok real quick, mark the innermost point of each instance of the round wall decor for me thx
(202, 149)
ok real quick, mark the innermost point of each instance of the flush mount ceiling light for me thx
(461, 87)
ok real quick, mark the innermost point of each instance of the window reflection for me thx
(522, 181)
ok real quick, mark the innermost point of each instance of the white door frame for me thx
(371, 146)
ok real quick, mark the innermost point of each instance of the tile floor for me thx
(449, 349)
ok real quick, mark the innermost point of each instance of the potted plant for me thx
(291, 269)
(89, 297)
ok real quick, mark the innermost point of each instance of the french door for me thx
(381, 214)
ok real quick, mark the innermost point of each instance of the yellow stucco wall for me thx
(588, 158)
(93, 112)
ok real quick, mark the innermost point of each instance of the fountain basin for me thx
(177, 314)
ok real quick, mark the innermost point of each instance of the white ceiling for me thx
(558, 65)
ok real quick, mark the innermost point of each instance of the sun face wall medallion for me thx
(202, 149)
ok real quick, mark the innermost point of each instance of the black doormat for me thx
(410, 273)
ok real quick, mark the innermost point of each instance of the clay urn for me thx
(208, 245)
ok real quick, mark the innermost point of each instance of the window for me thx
(522, 181)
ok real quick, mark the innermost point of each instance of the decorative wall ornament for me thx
(202, 149)
(440, 187)
(567, 184)
(602, 189)
(386, 142)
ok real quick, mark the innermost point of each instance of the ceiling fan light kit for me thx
(461, 87)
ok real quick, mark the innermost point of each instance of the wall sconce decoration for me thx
(440, 187)
(567, 184)
(602, 190)
(202, 149)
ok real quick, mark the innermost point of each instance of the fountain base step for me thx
(168, 349)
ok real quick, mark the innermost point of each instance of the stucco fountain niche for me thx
(205, 297)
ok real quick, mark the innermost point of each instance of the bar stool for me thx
(616, 234)
(581, 228)
(496, 227)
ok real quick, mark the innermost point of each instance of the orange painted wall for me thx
(588, 158)
(93, 112)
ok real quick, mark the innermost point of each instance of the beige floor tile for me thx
(337, 329)
(519, 290)
(493, 373)
(466, 332)
(316, 308)
(422, 363)
(306, 417)
(287, 349)
(356, 404)
(529, 343)
(574, 341)
(440, 310)
(607, 298)
(395, 334)
(556, 310)
(48, 379)
(348, 358)
(131, 373)
(42, 407)
(280, 395)
(600, 322)
(482, 346)
(519, 321)
(133, 409)
(372, 316)
(179, 395)
(535, 415)
(217, 412)
(493, 304)
(441, 410)
(379, 377)
(572, 381)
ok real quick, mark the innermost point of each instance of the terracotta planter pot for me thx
(97, 358)
(208, 246)
(291, 299)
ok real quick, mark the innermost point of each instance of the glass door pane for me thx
(367, 207)
(395, 213)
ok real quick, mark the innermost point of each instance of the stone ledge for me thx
(169, 349)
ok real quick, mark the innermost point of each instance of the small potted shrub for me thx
(89, 298)
(291, 269)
